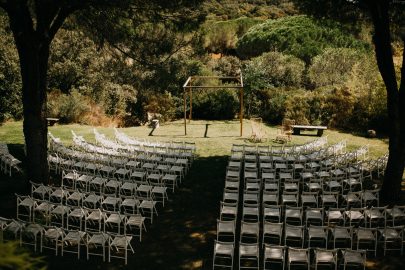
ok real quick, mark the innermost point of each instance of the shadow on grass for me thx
(182, 236)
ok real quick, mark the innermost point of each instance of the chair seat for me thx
(274, 253)
(98, 239)
(297, 256)
(325, 256)
(77, 213)
(115, 218)
(313, 214)
(226, 227)
(53, 233)
(317, 233)
(248, 250)
(390, 234)
(74, 237)
(95, 215)
(121, 241)
(27, 202)
(354, 215)
(147, 204)
(224, 249)
(159, 189)
(365, 235)
(293, 232)
(60, 210)
(136, 220)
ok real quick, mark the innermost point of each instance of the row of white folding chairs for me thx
(265, 149)
(153, 173)
(182, 145)
(254, 256)
(157, 147)
(120, 160)
(145, 203)
(63, 241)
(83, 144)
(373, 216)
(364, 198)
(65, 151)
(118, 185)
(313, 236)
(124, 172)
(130, 211)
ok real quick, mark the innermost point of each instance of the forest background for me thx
(293, 66)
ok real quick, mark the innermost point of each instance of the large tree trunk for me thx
(391, 188)
(33, 50)
(34, 62)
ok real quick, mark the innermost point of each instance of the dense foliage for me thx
(300, 36)
(10, 79)
(292, 66)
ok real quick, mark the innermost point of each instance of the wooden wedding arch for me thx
(226, 82)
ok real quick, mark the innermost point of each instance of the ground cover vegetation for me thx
(107, 69)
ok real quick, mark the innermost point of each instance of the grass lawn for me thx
(183, 234)
(220, 135)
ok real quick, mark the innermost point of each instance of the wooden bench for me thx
(297, 129)
(51, 121)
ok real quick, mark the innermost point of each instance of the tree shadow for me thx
(182, 235)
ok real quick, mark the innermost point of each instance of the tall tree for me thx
(34, 24)
(387, 17)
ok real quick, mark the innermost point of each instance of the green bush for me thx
(10, 78)
(12, 257)
(273, 69)
(218, 104)
(300, 36)
(264, 77)
(225, 66)
(272, 105)
(162, 104)
(119, 99)
(70, 108)
(221, 36)
(343, 66)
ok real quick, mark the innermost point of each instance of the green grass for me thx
(220, 136)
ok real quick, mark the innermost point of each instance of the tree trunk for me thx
(33, 51)
(33, 69)
(391, 188)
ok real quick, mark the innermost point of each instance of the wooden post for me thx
(191, 104)
(185, 115)
(241, 112)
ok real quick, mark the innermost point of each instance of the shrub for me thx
(14, 258)
(162, 104)
(73, 107)
(300, 36)
(221, 36)
(10, 79)
(273, 69)
(219, 104)
(272, 107)
(119, 98)
(339, 66)
(226, 66)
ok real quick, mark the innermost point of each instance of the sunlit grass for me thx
(220, 135)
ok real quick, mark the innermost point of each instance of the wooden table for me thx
(297, 129)
(51, 121)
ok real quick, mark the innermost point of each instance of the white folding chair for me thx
(95, 241)
(223, 255)
(121, 244)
